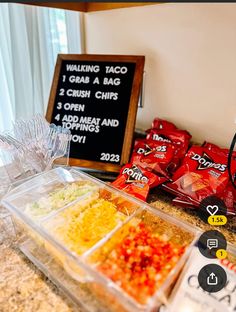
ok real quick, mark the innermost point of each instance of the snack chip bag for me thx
(202, 173)
(153, 155)
(227, 196)
(183, 202)
(180, 139)
(159, 123)
(137, 181)
(225, 152)
(215, 148)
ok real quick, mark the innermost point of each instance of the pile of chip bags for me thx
(164, 131)
(191, 174)
(154, 159)
(203, 173)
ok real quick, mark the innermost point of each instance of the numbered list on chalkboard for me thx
(92, 100)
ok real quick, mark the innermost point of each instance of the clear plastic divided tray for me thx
(103, 248)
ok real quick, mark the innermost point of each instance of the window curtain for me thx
(30, 39)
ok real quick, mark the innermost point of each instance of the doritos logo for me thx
(134, 175)
(205, 162)
(162, 138)
(148, 150)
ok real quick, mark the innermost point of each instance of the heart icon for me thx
(212, 210)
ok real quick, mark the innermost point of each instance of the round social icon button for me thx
(211, 206)
(211, 241)
(212, 278)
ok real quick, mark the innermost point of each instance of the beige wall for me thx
(190, 66)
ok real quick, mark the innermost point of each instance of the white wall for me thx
(190, 65)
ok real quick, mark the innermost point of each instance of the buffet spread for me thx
(125, 253)
(102, 244)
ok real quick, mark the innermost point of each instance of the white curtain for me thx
(30, 39)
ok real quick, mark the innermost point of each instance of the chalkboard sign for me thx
(96, 97)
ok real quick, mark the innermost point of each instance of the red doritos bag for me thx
(215, 148)
(136, 181)
(153, 155)
(225, 152)
(163, 124)
(180, 138)
(227, 196)
(184, 203)
(203, 173)
(177, 136)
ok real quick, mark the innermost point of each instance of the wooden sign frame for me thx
(133, 104)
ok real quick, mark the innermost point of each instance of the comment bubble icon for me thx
(212, 243)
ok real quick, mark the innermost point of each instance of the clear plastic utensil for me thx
(61, 150)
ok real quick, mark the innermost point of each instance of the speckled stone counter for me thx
(23, 288)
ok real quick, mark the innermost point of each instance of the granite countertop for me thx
(23, 288)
